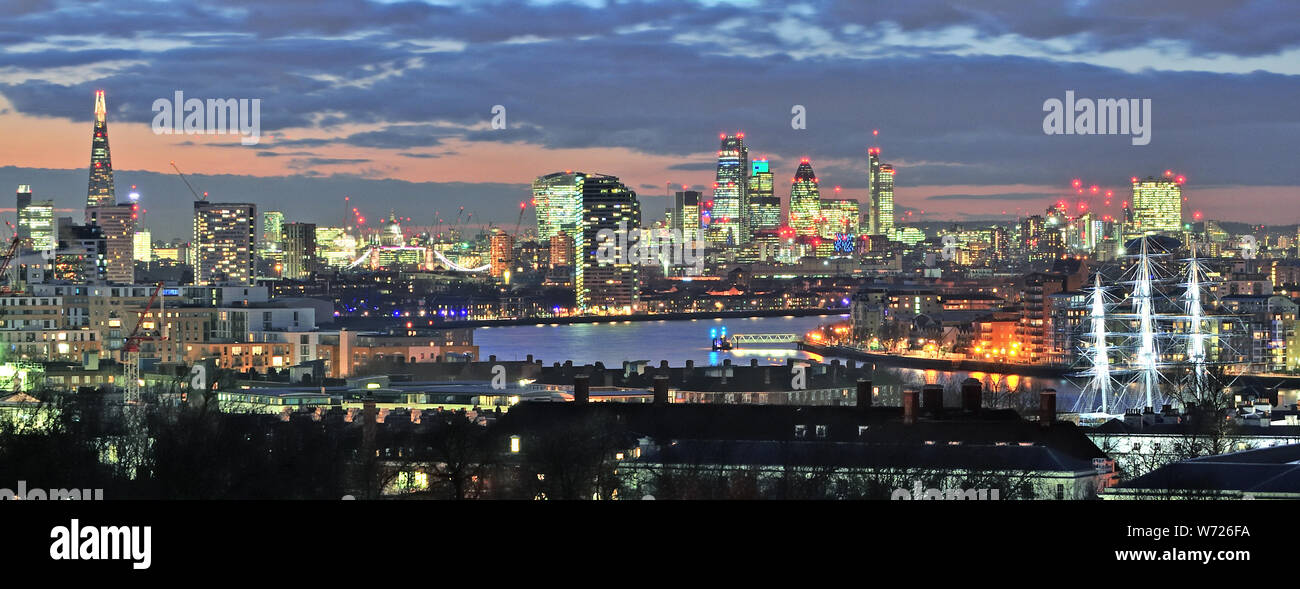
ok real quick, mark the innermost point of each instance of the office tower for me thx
(335, 247)
(117, 224)
(613, 284)
(100, 189)
(81, 255)
(299, 242)
(1157, 206)
(561, 250)
(272, 231)
(764, 204)
(805, 201)
(143, 251)
(558, 198)
(686, 214)
(501, 253)
(840, 216)
(730, 218)
(36, 222)
(24, 199)
(880, 187)
(224, 234)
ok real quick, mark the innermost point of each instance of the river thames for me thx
(677, 341)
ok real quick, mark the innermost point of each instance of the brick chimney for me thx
(911, 406)
(932, 396)
(972, 395)
(864, 393)
(661, 390)
(1047, 407)
(581, 388)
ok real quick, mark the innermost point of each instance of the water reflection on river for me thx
(677, 341)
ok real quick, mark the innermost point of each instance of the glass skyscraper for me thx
(1157, 206)
(686, 214)
(841, 215)
(730, 218)
(764, 205)
(100, 190)
(805, 201)
(558, 198)
(880, 186)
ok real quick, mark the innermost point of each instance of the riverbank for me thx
(936, 363)
(376, 323)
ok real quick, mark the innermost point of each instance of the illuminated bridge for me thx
(752, 339)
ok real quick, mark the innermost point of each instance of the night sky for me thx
(390, 102)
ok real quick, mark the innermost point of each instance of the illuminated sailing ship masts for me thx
(1147, 359)
(1099, 383)
(1195, 314)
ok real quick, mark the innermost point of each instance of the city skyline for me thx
(959, 155)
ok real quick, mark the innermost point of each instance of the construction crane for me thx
(131, 349)
(187, 183)
(523, 206)
(7, 257)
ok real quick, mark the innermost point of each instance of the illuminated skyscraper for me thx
(143, 250)
(686, 214)
(840, 215)
(501, 251)
(224, 236)
(805, 201)
(24, 198)
(335, 246)
(880, 185)
(558, 198)
(100, 190)
(117, 224)
(612, 284)
(299, 241)
(730, 218)
(561, 250)
(1157, 206)
(272, 231)
(36, 221)
(764, 205)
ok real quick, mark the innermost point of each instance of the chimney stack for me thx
(581, 388)
(864, 393)
(932, 396)
(972, 395)
(911, 406)
(661, 390)
(1047, 407)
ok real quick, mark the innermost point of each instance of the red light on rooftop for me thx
(1110, 193)
(1196, 215)
(875, 132)
(1169, 172)
(1134, 179)
(1094, 189)
(722, 135)
(1180, 179)
(1076, 183)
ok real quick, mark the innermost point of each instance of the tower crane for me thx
(187, 183)
(7, 257)
(131, 349)
(523, 206)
